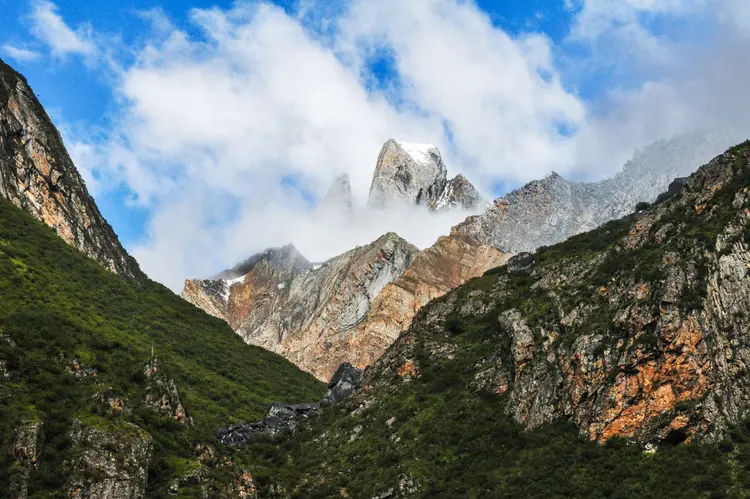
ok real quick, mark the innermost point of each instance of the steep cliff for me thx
(307, 312)
(37, 175)
(447, 264)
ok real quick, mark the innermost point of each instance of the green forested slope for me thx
(62, 313)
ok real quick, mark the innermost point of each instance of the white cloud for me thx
(500, 96)
(49, 27)
(20, 54)
(620, 32)
(691, 78)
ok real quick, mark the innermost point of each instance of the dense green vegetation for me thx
(58, 306)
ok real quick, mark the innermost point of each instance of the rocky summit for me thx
(415, 174)
(307, 312)
(37, 175)
(339, 196)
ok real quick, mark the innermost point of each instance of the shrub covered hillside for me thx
(614, 364)
(106, 386)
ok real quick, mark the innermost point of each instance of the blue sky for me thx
(210, 128)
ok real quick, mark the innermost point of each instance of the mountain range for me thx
(570, 340)
(315, 325)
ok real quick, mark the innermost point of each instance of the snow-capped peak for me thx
(418, 152)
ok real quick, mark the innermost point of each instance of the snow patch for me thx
(281, 285)
(419, 152)
(445, 197)
(228, 286)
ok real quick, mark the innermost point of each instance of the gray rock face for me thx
(549, 211)
(27, 444)
(108, 463)
(414, 174)
(407, 174)
(674, 189)
(520, 263)
(37, 175)
(307, 312)
(339, 196)
(459, 192)
(280, 418)
(345, 381)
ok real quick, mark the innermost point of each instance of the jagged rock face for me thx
(263, 275)
(548, 211)
(345, 382)
(459, 192)
(407, 174)
(339, 196)
(27, 444)
(37, 175)
(414, 174)
(637, 330)
(162, 395)
(108, 463)
(280, 418)
(302, 310)
(447, 264)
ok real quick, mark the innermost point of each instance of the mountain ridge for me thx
(37, 174)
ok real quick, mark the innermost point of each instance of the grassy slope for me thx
(57, 305)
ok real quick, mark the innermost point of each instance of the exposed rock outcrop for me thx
(27, 445)
(414, 174)
(280, 417)
(162, 395)
(37, 175)
(108, 462)
(345, 382)
(301, 310)
(459, 192)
